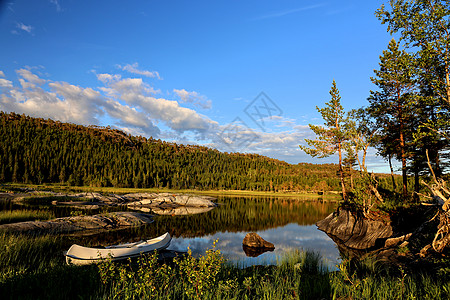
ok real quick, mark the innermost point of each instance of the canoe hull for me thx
(79, 255)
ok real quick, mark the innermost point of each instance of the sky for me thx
(237, 76)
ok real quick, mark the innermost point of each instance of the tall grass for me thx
(34, 268)
(21, 254)
(22, 215)
(367, 279)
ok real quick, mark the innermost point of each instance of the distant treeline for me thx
(35, 150)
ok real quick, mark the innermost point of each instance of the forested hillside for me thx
(34, 150)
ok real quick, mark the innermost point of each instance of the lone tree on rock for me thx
(332, 137)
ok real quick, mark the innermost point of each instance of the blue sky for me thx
(240, 76)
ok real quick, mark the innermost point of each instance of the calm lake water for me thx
(288, 223)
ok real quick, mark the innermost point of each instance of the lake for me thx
(288, 223)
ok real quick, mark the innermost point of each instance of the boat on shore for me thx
(79, 255)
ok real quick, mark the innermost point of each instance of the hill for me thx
(35, 150)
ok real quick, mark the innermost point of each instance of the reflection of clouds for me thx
(286, 239)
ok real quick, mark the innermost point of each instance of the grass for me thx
(22, 215)
(113, 190)
(33, 267)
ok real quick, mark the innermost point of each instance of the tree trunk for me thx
(394, 185)
(437, 165)
(341, 171)
(416, 184)
(403, 155)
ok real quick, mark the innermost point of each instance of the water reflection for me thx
(286, 222)
(285, 238)
(255, 252)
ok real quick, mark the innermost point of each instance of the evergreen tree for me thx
(333, 137)
(393, 105)
(424, 27)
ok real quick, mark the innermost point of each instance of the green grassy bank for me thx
(34, 268)
(331, 196)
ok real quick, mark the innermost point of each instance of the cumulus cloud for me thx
(5, 83)
(130, 104)
(133, 68)
(194, 98)
(138, 94)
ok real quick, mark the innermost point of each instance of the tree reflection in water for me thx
(286, 222)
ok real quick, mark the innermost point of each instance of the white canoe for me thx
(79, 255)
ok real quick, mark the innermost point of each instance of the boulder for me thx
(168, 200)
(181, 211)
(194, 201)
(354, 231)
(255, 252)
(99, 222)
(253, 240)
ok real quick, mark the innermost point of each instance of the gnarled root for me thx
(442, 237)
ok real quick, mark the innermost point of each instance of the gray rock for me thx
(355, 231)
(168, 200)
(181, 210)
(80, 223)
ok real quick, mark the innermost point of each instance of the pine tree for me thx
(393, 105)
(333, 137)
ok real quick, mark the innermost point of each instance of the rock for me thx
(253, 240)
(167, 200)
(353, 231)
(392, 242)
(255, 252)
(80, 223)
(194, 201)
(181, 211)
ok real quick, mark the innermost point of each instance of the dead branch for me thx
(429, 166)
(437, 195)
(438, 189)
(374, 188)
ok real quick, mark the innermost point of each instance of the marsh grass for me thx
(33, 267)
(8, 216)
(368, 279)
(297, 276)
(21, 254)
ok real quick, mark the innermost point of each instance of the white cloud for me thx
(194, 98)
(23, 27)
(30, 78)
(130, 104)
(57, 5)
(138, 94)
(288, 12)
(5, 83)
(133, 68)
(131, 120)
(107, 78)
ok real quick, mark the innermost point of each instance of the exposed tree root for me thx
(441, 196)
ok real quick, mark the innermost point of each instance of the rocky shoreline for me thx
(100, 222)
(135, 201)
(145, 203)
(394, 238)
